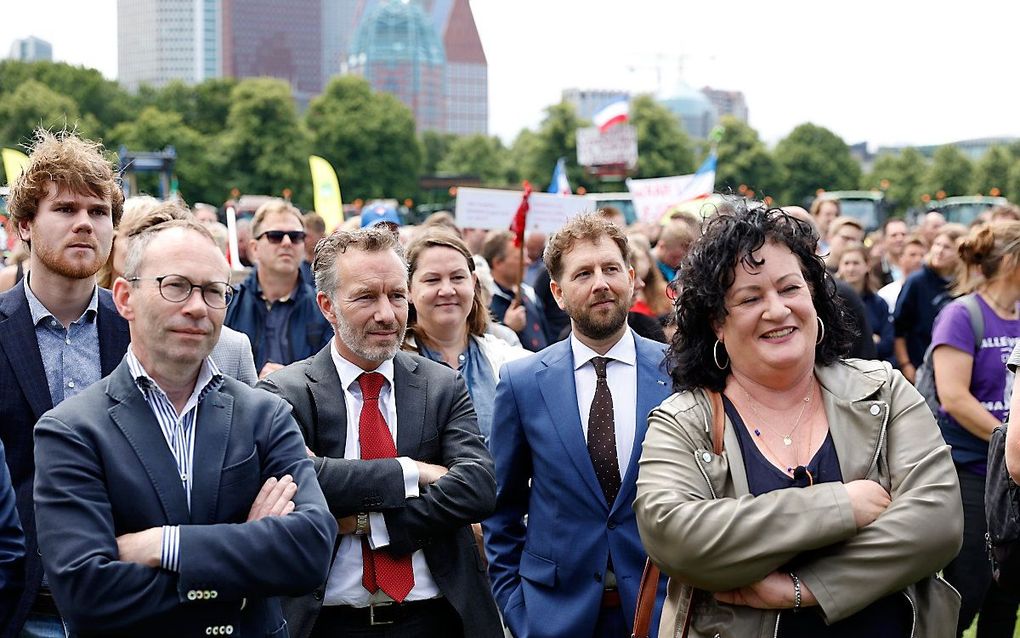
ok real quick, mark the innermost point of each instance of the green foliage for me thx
(664, 149)
(815, 157)
(368, 137)
(535, 158)
(479, 155)
(198, 169)
(33, 104)
(950, 172)
(743, 160)
(265, 147)
(525, 146)
(992, 171)
(104, 100)
(903, 175)
(435, 146)
(204, 107)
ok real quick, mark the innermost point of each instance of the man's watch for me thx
(361, 525)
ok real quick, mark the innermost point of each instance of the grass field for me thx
(972, 632)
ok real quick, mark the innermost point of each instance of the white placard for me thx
(490, 208)
(653, 197)
(618, 145)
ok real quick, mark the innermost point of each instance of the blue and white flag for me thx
(559, 183)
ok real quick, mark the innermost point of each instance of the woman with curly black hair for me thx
(833, 494)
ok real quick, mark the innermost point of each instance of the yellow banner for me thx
(327, 192)
(14, 163)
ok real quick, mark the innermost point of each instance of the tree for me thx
(743, 160)
(94, 95)
(479, 155)
(199, 158)
(950, 172)
(992, 171)
(664, 149)
(556, 137)
(813, 158)
(33, 104)
(524, 147)
(369, 138)
(435, 146)
(204, 106)
(901, 176)
(265, 147)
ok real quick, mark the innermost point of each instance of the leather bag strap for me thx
(650, 576)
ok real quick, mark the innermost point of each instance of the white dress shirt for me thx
(621, 375)
(343, 587)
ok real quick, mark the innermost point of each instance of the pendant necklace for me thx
(788, 437)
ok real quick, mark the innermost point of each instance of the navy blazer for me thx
(435, 424)
(24, 397)
(104, 469)
(12, 546)
(547, 575)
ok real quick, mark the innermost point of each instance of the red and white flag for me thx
(611, 115)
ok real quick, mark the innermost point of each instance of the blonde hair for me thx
(986, 252)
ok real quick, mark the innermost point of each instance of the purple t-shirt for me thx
(990, 382)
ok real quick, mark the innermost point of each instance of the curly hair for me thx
(70, 162)
(709, 270)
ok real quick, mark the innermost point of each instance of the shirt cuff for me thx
(170, 554)
(378, 535)
(411, 476)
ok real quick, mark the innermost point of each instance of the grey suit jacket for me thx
(435, 424)
(232, 355)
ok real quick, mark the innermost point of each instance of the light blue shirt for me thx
(70, 355)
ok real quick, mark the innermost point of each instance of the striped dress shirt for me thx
(179, 432)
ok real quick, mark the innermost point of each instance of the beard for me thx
(357, 342)
(55, 261)
(599, 326)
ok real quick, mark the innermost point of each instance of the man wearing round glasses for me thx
(172, 500)
(275, 305)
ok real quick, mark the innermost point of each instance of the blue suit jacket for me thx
(104, 469)
(24, 397)
(12, 545)
(547, 575)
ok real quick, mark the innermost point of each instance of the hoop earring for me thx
(715, 355)
(821, 331)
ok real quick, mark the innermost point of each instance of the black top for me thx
(889, 617)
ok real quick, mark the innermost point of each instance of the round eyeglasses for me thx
(178, 288)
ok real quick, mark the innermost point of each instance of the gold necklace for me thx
(788, 437)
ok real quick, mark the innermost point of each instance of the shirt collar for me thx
(350, 372)
(209, 378)
(39, 311)
(623, 350)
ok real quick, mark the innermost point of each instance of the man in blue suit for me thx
(172, 500)
(59, 331)
(566, 438)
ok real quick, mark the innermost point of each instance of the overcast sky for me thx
(885, 72)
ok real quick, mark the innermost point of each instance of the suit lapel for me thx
(135, 419)
(114, 335)
(653, 386)
(212, 434)
(556, 383)
(18, 340)
(409, 392)
(329, 405)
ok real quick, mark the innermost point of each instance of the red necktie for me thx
(392, 574)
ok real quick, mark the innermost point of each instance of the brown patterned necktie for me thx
(392, 574)
(602, 434)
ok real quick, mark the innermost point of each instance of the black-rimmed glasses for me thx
(178, 288)
(276, 236)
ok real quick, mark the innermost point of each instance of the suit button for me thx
(317, 594)
(192, 594)
(208, 631)
(598, 577)
(230, 629)
(612, 524)
(213, 594)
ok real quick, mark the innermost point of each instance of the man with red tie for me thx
(396, 447)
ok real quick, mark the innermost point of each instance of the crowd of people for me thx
(415, 431)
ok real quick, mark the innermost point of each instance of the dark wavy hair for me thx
(706, 274)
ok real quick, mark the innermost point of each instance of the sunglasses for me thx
(276, 236)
